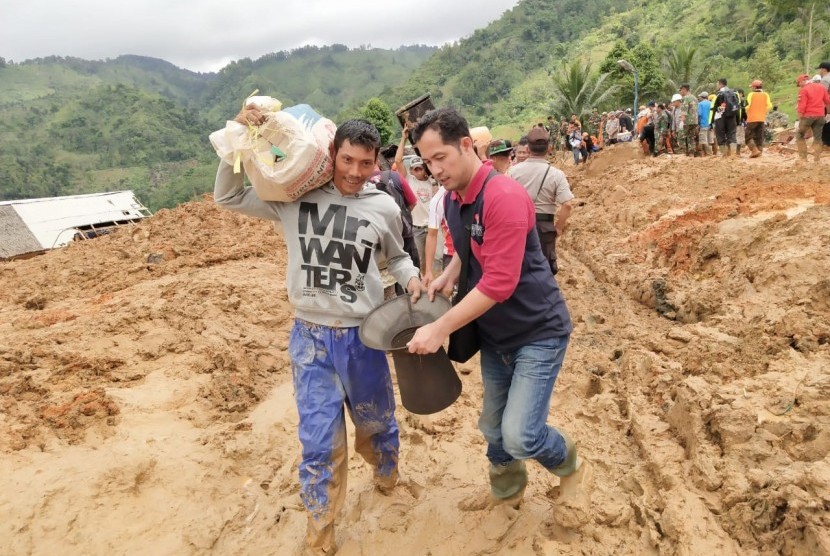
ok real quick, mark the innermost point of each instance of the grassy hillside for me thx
(502, 74)
(330, 79)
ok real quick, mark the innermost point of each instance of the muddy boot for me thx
(385, 484)
(755, 152)
(644, 145)
(508, 482)
(737, 150)
(818, 146)
(507, 487)
(573, 505)
(723, 151)
(572, 460)
(733, 149)
(319, 541)
(704, 150)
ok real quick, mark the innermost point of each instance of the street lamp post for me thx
(627, 66)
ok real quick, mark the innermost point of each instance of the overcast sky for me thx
(207, 34)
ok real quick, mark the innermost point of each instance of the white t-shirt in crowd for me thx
(436, 221)
(423, 192)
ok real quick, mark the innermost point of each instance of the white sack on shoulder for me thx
(285, 157)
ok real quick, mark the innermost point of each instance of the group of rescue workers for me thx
(702, 124)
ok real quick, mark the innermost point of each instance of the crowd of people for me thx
(726, 122)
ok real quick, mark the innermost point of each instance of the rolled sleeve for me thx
(562, 188)
(508, 218)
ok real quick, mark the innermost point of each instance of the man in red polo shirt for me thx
(812, 101)
(522, 320)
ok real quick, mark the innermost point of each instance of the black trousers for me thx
(648, 135)
(725, 129)
(547, 237)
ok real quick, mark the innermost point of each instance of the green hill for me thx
(76, 126)
(503, 73)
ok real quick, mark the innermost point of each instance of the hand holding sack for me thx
(286, 156)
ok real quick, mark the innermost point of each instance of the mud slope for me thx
(146, 395)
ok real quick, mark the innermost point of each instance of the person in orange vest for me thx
(758, 104)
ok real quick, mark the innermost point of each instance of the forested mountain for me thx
(509, 71)
(74, 126)
(70, 125)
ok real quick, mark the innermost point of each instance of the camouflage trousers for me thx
(687, 139)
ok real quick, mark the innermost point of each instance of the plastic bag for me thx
(285, 157)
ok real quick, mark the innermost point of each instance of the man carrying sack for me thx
(522, 322)
(334, 235)
(548, 189)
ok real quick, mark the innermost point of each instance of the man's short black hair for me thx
(450, 125)
(523, 140)
(358, 132)
(685, 86)
(775, 108)
(723, 80)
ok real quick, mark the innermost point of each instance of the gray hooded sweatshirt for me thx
(334, 245)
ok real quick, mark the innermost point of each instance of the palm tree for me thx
(680, 67)
(576, 90)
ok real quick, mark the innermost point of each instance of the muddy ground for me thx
(146, 403)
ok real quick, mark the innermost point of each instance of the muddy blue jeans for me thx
(332, 369)
(517, 389)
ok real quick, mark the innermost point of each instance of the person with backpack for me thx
(727, 109)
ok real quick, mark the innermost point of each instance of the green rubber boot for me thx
(572, 461)
(508, 481)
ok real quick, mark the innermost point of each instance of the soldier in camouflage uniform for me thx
(554, 137)
(687, 138)
(593, 123)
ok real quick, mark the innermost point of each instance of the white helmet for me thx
(676, 96)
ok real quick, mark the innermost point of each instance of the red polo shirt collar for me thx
(475, 184)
